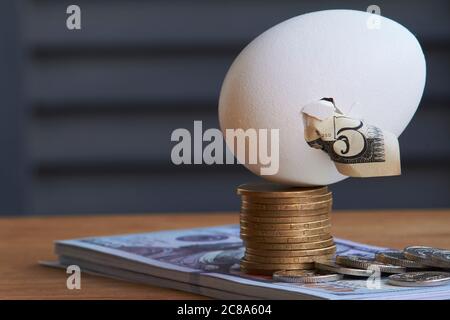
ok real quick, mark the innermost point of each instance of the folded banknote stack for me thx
(206, 261)
(284, 228)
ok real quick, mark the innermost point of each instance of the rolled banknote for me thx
(357, 149)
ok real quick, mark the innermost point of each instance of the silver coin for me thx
(331, 266)
(419, 279)
(421, 255)
(397, 258)
(441, 258)
(303, 276)
(368, 263)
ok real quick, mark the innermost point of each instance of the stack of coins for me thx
(284, 228)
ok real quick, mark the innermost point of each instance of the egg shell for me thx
(375, 74)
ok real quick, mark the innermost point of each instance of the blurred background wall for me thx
(86, 115)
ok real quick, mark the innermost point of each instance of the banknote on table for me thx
(206, 261)
(358, 149)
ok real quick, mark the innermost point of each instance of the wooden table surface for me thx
(25, 241)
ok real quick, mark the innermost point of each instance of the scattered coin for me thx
(419, 279)
(397, 258)
(303, 276)
(441, 258)
(331, 266)
(421, 255)
(366, 263)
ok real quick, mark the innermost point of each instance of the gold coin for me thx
(284, 226)
(271, 190)
(268, 272)
(306, 199)
(285, 233)
(276, 266)
(289, 246)
(270, 260)
(286, 213)
(286, 239)
(297, 206)
(271, 219)
(257, 272)
(293, 253)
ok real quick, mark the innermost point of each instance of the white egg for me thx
(376, 74)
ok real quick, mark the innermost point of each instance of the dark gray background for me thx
(86, 116)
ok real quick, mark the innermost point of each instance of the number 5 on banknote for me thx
(356, 148)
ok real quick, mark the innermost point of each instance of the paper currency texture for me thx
(358, 149)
